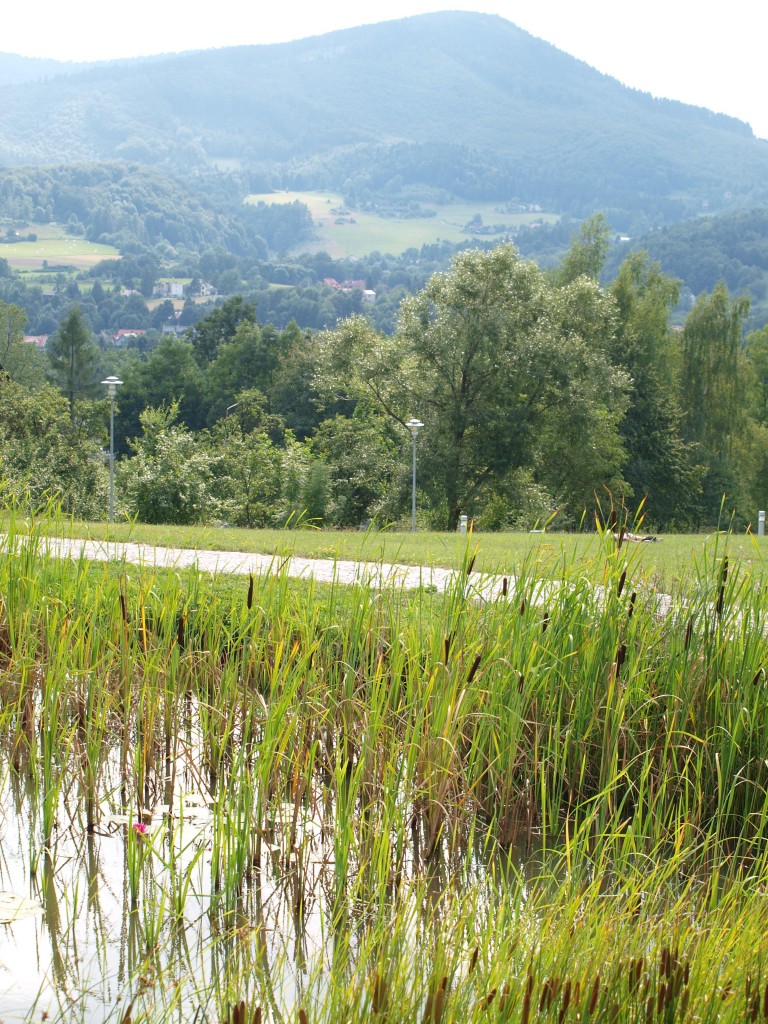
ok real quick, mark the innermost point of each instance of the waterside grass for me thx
(279, 800)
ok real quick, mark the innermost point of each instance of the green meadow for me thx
(342, 231)
(54, 247)
(671, 561)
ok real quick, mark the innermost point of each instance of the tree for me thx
(587, 253)
(362, 457)
(487, 355)
(167, 480)
(42, 455)
(246, 361)
(219, 327)
(72, 357)
(662, 467)
(13, 319)
(713, 391)
(170, 374)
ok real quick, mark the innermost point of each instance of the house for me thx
(123, 336)
(41, 340)
(168, 290)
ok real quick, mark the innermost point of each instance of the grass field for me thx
(673, 563)
(54, 247)
(345, 232)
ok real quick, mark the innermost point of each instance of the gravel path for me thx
(325, 570)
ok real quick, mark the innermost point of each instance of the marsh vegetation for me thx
(272, 800)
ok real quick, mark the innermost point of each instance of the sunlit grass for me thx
(670, 564)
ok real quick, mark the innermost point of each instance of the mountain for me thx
(15, 70)
(345, 107)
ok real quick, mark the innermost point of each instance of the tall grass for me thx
(356, 803)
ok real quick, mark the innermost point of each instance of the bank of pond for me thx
(240, 800)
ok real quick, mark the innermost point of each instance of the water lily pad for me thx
(14, 907)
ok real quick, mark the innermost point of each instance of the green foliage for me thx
(712, 390)
(661, 467)
(364, 459)
(219, 327)
(45, 454)
(166, 480)
(491, 357)
(587, 253)
(73, 356)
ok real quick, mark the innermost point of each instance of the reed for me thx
(549, 804)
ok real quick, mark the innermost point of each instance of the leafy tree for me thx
(169, 375)
(246, 472)
(219, 327)
(12, 323)
(167, 479)
(587, 253)
(44, 456)
(713, 391)
(363, 460)
(72, 357)
(246, 361)
(661, 466)
(486, 355)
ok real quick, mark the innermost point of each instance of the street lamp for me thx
(414, 426)
(112, 384)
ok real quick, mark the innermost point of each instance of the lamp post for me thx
(112, 384)
(414, 426)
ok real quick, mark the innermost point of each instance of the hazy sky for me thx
(672, 48)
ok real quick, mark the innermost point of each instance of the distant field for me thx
(342, 231)
(54, 247)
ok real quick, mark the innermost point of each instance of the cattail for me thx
(649, 1008)
(504, 586)
(721, 593)
(378, 994)
(486, 1001)
(473, 961)
(256, 1019)
(545, 622)
(249, 599)
(180, 631)
(621, 654)
(765, 1003)
(665, 967)
(593, 997)
(566, 1001)
(447, 644)
(303, 1019)
(527, 1001)
(522, 607)
(471, 565)
(632, 599)
(521, 682)
(662, 997)
(124, 612)
(474, 668)
(688, 632)
(622, 581)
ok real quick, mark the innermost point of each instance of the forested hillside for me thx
(361, 107)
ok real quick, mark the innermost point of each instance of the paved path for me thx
(325, 570)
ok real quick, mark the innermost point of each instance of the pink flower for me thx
(140, 827)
